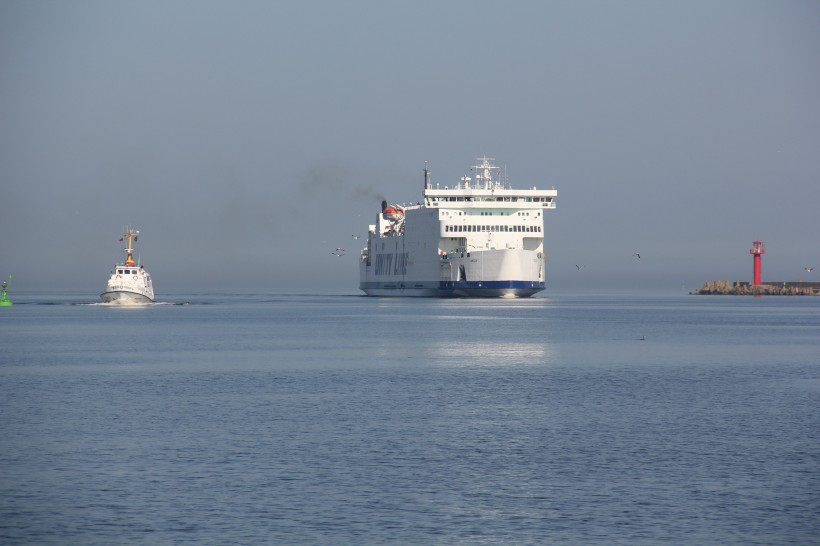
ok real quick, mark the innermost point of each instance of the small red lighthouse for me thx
(757, 250)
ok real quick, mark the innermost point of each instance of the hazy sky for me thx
(248, 139)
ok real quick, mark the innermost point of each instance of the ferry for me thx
(479, 238)
(129, 283)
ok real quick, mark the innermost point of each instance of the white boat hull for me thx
(122, 297)
(508, 273)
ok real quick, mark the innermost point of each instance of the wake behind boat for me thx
(130, 283)
(480, 238)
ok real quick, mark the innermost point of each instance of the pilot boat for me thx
(130, 283)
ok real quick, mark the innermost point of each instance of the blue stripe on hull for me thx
(453, 289)
(493, 289)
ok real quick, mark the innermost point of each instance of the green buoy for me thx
(4, 300)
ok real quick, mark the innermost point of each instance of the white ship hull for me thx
(489, 274)
(470, 241)
(123, 297)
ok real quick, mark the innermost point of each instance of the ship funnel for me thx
(384, 205)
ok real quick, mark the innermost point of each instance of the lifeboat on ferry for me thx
(391, 212)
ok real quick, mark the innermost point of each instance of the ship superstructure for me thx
(129, 283)
(479, 238)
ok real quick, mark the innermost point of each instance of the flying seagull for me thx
(636, 254)
(356, 236)
(808, 269)
(580, 267)
(338, 253)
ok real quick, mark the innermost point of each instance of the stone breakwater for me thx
(789, 288)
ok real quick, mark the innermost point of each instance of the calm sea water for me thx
(339, 419)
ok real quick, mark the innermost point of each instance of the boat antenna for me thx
(129, 235)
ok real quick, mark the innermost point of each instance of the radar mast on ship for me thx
(484, 174)
(129, 235)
